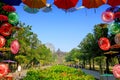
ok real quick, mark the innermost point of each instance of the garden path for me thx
(97, 75)
(19, 75)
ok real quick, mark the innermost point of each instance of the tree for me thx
(88, 47)
(32, 51)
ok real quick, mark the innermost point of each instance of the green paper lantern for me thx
(114, 28)
(13, 18)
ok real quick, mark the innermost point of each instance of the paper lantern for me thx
(117, 38)
(104, 43)
(47, 9)
(3, 69)
(2, 41)
(3, 18)
(13, 18)
(113, 9)
(30, 10)
(114, 28)
(8, 8)
(116, 71)
(117, 17)
(14, 47)
(65, 4)
(12, 2)
(6, 29)
(35, 3)
(107, 16)
(93, 3)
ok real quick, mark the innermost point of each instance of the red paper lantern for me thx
(8, 8)
(14, 47)
(3, 18)
(65, 4)
(117, 15)
(3, 69)
(116, 71)
(107, 16)
(2, 41)
(6, 29)
(104, 43)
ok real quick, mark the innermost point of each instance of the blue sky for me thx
(63, 30)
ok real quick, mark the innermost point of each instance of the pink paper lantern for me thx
(3, 69)
(104, 43)
(2, 41)
(14, 47)
(116, 71)
(107, 16)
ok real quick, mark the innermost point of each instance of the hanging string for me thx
(85, 12)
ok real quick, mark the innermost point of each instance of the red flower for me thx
(8, 8)
(3, 18)
(6, 29)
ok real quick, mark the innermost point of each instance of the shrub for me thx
(58, 72)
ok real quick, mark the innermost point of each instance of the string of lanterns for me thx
(66, 5)
(112, 16)
(8, 20)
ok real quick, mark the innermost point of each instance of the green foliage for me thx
(31, 48)
(21, 59)
(100, 59)
(73, 55)
(100, 31)
(58, 72)
(32, 75)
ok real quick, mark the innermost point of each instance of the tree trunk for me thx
(83, 66)
(107, 65)
(101, 70)
(90, 64)
(118, 60)
(93, 64)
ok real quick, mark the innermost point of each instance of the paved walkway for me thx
(19, 75)
(97, 75)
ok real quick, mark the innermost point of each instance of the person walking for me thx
(19, 69)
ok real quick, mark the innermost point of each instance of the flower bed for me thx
(58, 72)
